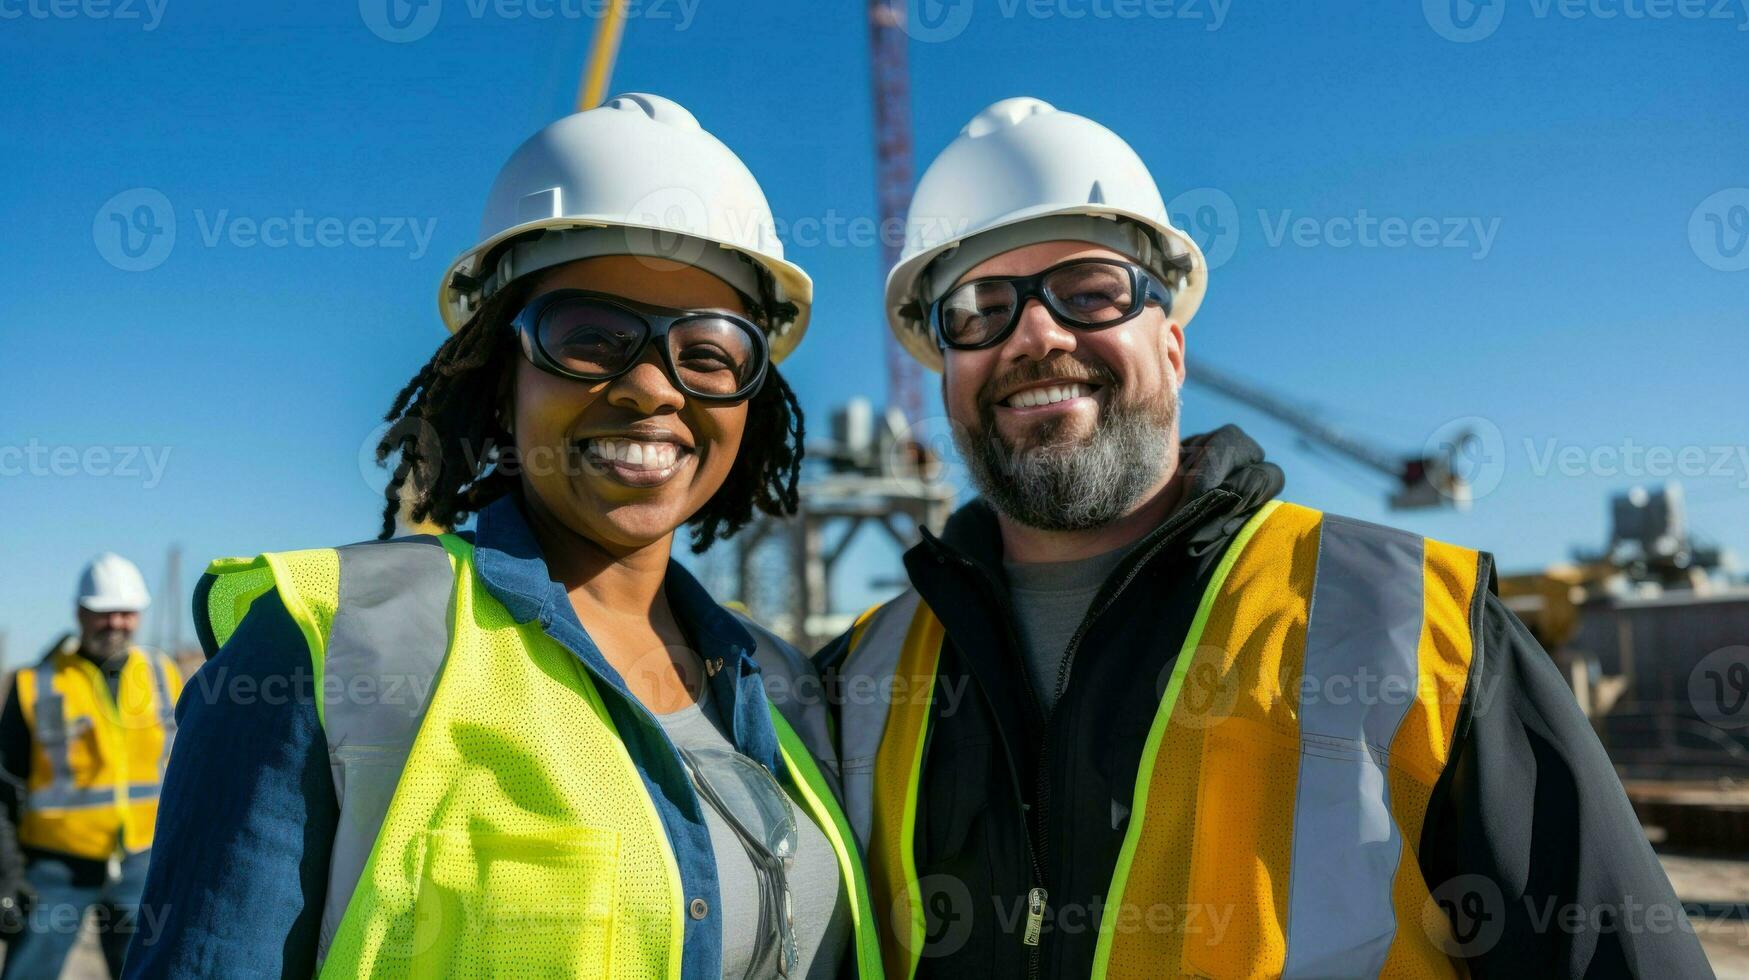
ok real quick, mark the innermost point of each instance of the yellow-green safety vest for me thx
(97, 760)
(491, 821)
(1283, 782)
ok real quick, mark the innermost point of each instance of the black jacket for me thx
(1529, 812)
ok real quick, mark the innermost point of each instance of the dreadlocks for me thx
(453, 447)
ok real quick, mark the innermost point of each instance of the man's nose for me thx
(1037, 335)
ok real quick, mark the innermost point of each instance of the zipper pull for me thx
(1035, 915)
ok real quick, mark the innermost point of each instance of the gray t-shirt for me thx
(1049, 600)
(822, 921)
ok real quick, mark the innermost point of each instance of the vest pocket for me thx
(537, 904)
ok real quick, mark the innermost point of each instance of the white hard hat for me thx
(1021, 160)
(634, 176)
(111, 583)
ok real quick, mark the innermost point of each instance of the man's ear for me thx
(1175, 351)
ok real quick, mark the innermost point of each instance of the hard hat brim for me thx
(112, 605)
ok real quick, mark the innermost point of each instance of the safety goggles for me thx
(590, 336)
(759, 812)
(1082, 294)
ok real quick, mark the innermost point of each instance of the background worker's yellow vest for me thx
(97, 759)
(1285, 778)
(492, 822)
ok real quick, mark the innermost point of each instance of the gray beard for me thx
(1078, 485)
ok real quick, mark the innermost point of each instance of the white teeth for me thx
(1048, 396)
(644, 455)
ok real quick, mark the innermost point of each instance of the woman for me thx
(539, 749)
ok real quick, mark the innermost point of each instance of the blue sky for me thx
(1586, 165)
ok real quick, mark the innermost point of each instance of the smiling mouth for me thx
(635, 462)
(1043, 395)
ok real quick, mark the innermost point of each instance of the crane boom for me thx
(1421, 481)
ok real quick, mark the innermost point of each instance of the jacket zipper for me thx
(1038, 847)
(1036, 893)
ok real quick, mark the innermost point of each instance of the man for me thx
(1138, 718)
(83, 741)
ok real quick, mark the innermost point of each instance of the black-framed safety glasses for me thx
(1082, 294)
(589, 336)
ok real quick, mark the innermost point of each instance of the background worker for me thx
(1213, 733)
(84, 738)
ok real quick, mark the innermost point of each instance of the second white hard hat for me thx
(111, 583)
(634, 176)
(1021, 160)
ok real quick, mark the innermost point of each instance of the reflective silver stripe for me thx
(166, 707)
(794, 688)
(142, 791)
(865, 681)
(72, 798)
(1361, 665)
(51, 728)
(385, 652)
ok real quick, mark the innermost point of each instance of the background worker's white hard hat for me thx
(1018, 160)
(640, 167)
(111, 583)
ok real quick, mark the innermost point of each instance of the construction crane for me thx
(602, 51)
(1432, 480)
(889, 71)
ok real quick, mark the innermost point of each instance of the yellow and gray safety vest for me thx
(97, 759)
(490, 815)
(1285, 777)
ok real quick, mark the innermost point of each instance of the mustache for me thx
(1065, 369)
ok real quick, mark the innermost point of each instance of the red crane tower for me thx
(890, 75)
